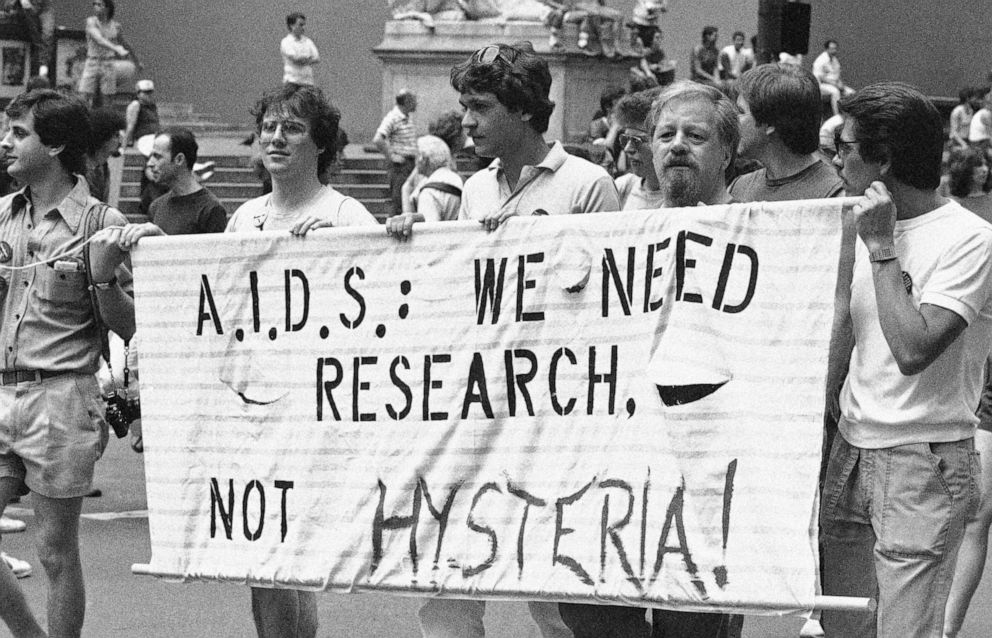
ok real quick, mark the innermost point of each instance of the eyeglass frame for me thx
(637, 140)
(840, 144)
(281, 125)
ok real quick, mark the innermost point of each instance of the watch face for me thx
(907, 281)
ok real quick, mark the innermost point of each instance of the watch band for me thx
(105, 285)
(882, 254)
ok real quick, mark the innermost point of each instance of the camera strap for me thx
(93, 222)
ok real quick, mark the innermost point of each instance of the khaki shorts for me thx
(52, 433)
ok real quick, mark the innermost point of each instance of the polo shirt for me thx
(398, 128)
(560, 184)
(47, 320)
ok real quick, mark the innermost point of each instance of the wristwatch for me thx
(105, 285)
(882, 254)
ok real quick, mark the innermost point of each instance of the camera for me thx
(121, 412)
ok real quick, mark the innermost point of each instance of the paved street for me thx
(114, 535)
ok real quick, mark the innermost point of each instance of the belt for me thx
(13, 377)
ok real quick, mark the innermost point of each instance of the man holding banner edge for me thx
(901, 479)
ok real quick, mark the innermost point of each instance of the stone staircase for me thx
(234, 182)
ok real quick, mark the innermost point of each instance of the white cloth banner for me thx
(612, 407)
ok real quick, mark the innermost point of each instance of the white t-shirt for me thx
(978, 130)
(639, 198)
(946, 259)
(258, 214)
(436, 205)
(293, 48)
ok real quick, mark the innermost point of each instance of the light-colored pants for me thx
(892, 520)
(98, 72)
(458, 618)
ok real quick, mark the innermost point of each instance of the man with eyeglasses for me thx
(901, 480)
(639, 189)
(297, 132)
(504, 91)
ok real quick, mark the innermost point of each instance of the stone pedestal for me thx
(420, 59)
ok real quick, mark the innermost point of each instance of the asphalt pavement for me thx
(114, 535)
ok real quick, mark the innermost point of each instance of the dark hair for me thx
(634, 109)
(448, 126)
(36, 82)
(738, 33)
(60, 119)
(638, 83)
(404, 96)
(111, 9)
(293, 17)
(182, 140)
(827, 44)
(520, 80)
(965, 94)
(308, 103)
(609, 97)
(787, 97)
(894, 122)
(104, 124)
(708, 31)
(960, 167)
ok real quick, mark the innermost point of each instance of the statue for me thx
(644, 25)
(426, 11)
(595, 19)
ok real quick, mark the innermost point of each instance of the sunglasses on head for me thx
(493, 52)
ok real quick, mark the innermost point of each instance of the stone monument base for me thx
(420, 59)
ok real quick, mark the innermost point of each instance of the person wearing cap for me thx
(141, 114)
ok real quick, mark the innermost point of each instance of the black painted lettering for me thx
(402, 387)
(674, 517)
(257, 533)
(325, 387)
(519, 382)
(683, 263)
(433, 384)
(285, 486)
(560, 531)
(529, 500)
(611, 530)
(207, 299)
(354, 271)
(527, 284)
(489, 288)
(217, 507)
(482, 529)
(441, 516)
(380, 524)
(611, 272)
(256, 316)
(609, 378)
(752, 280)
(553, 381)
(477, 391)
(290, 275)
(651, 273)
(357, 386)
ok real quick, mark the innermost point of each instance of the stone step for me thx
(132, 174)
(133, 158)
(132, 190)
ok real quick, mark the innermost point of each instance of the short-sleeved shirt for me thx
(640, 198)
(733, 62)
(398, 129)
(257, 214)
(980, 128)
(111, 30)
(816, 181)
(47, 320)
(561, 184)
(294, 72)
(437, 205)
(961, 121)
(946, 259)
(191, 214)
(826, 69)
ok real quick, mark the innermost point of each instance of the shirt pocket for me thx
(63, 286)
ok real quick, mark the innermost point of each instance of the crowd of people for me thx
(904, 514)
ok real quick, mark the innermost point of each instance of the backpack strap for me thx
(93, 221)
(444, 188)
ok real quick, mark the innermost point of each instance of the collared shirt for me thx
(560, 185)
(826, 69)
(398, 128)
(292, 71)
(46, 321)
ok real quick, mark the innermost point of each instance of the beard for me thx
(681, 186)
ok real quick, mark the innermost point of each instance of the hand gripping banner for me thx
(620, 407)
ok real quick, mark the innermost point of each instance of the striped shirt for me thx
(397, 128)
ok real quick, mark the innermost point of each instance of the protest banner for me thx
(614, 407)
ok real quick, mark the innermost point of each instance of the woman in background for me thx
(103, 45)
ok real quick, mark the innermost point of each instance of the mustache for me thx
(676, 162)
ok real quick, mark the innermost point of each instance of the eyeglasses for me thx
(842, 146)
(493, 52)
(289, 128)
(635, 141)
